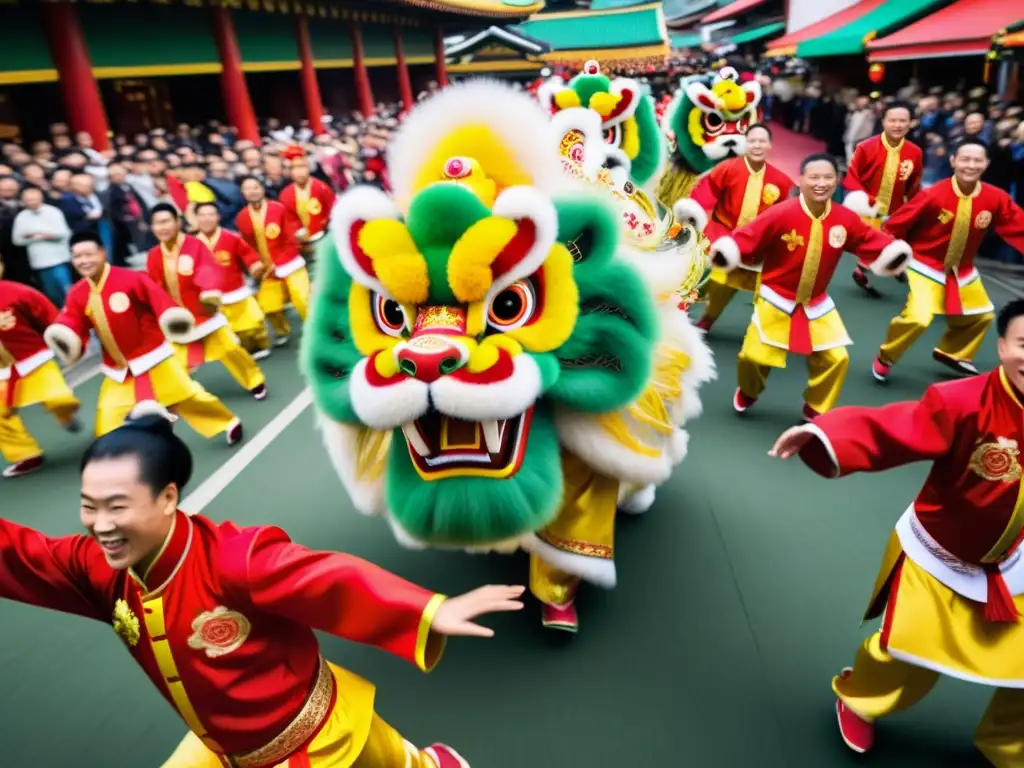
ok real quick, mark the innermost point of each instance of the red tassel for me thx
(196, 355)
(12, 384)
(144, 388)
(954, 306)
(800, 332)
(1000, 607)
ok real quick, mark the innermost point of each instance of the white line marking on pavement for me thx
(211, 488)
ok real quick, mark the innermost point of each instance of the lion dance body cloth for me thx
(471, 331)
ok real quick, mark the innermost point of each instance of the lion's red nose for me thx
(429, 357)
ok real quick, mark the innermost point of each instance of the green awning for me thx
(571, 31)
(757, 33)
(681, 42)
(604, 5)
(885, 18)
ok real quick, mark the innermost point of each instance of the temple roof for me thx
(499, 9)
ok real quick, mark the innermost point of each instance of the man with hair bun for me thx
(134, 319)
(222, 618)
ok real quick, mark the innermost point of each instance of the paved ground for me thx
(740, 595)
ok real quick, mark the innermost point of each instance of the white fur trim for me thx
(890, 255)
(500, 400)
(547, 90)
(403, 537)
(525, 203)
(582, 434)
(208, 296)
(64, 342)
(858, 202)
(595, 570)
(174, 316)
(520, 124)
(151, 408)
(341, 442)
(687, 209)
(679, 445)
(726, 248)
(587, 122)
(639, 502)
(387, 407)
(620, 84)
(362, 203)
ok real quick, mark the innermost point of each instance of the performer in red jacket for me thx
(221, 618)
(884, 174)
(730, 196)
(951, 585)
(310, 200)
(799, 243)
(134, 319)
(184, 267)
(945, 225)
(29, 375)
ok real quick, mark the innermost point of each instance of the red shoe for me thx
(742, 402)
(561, 617)
(809, 413)
(24, 467)
(860, 277)
(234, 434)
(880, 370)
(963, 367)
(445, 757)
(858, 733)
(705, 324)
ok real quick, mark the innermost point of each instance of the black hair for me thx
(1008, 314)
(86, 237)
(208, 204)
(819, 157)
(163, 457)
(897, 105)
(763, 127)
(250, 177)
(969, 141)
(27, 187)
(164, 208)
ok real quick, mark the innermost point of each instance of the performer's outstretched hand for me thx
(791, 442)
(456, 614)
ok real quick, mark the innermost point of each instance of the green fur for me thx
(464, 511)
(649, 161)
(587, 85)
(327, 355)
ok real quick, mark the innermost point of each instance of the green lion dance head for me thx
(453, 323)
(628, 118)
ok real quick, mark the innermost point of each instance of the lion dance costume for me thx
(480, 355)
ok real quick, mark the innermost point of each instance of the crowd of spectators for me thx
(53, 188)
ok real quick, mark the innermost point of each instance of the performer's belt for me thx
(303, 728)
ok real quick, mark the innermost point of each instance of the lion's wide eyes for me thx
(514, 307)
(389, 315)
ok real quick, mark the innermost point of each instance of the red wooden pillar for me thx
(364, 93)
(237, 103)
(82, 100)
(439, 59)
(310, 86)
(404, 83)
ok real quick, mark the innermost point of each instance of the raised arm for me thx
(901, 224)
(176, 322)
(67, 574)
(702, 201)
(744, 245)
(69, 332)
(886, 255)
(1009, 223)
(36, 307)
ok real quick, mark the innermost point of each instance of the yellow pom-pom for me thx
(604, 103)
(396, 260)
(567, 99)
(469, 265)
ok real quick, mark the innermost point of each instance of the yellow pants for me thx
(926, 299)
(275, 293)
(174, 389)
(223, 346)
(826, 370)
(44, 386)
(249, 323)
(881, 685)
(550, 585)
(723, 286)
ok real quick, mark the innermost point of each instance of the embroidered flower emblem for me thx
(906, 168)
(313, 207)
(793, 240)
(997, 461)
(126, 624)
(273, 231)
(770, 194)
(982, 220)
(219, 632)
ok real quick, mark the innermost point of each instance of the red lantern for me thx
(876, 72)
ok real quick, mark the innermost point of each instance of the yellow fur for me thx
(397, 262)
(478, 183)
(696, 127)
(604, 103)
(483, 145)
(469, 264)
(561, 306)
(733, 97)
(567, 99)
(630, 143)
(365, 334)
(482, 357)
(506, 342)
(385, 362)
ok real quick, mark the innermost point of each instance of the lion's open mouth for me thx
(442, 446)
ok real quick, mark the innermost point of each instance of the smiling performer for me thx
(799, 243)
(134, 319)
(309, 199)
(730, 197)
(184, 267)
(28, 375)
(464, 332)
(951, 586)
(222, 618)
(268, 228)
(945, 225)
(884, 173)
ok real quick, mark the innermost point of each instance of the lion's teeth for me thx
(492, 436)
(415, 439)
